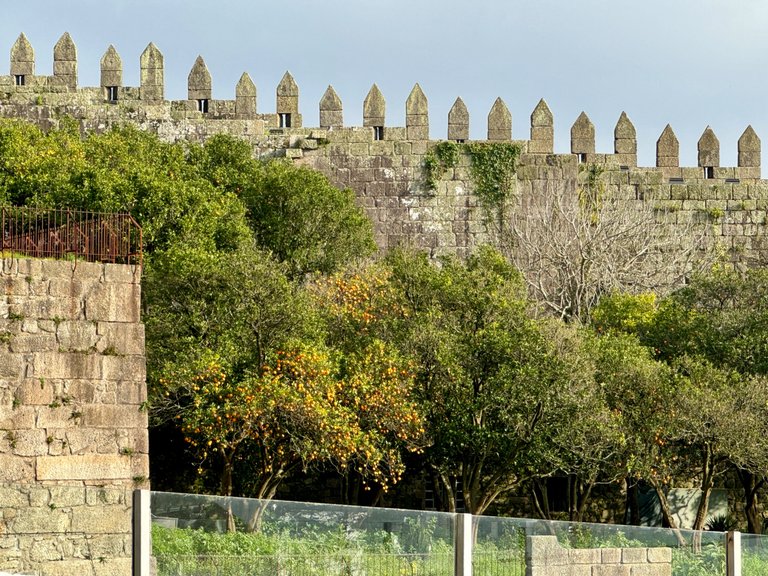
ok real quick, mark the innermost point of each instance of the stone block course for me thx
(10, 365)
(17, 418)
(32, 342)
(67, 496)
(81, 441)
(113, 303)
(100, 519)
(12, 498)
(23, 442)
(633, 555)
(113, 416)
(77, 336)
(84, 467)
(659, 555)
(66, 365)
(123, 368)
(42, 520)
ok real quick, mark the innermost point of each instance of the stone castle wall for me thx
(73, 431)
(384, 164)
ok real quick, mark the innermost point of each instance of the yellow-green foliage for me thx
(623, 312)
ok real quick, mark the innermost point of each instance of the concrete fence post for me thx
(463, 545)
(733, 553)
(142, 530)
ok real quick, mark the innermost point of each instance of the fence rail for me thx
(64, 233)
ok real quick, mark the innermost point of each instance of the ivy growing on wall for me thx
(492, 166)
(438, 160)
(591, 194)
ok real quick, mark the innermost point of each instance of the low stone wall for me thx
(73, 429)
(545, 557)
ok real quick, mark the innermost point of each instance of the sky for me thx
(689, 63)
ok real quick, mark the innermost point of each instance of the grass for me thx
(187, 552)
(197, 551)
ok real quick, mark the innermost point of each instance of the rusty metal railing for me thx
(76, 234)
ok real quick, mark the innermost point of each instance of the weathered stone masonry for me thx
(384, 164)
(73, 429)
(545, 557)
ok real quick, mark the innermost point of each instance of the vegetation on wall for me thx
(438, 160)
(492, 166)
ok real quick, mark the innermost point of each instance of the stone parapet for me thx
(545, 557)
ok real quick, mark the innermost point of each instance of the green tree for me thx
(720, 424)
(641, 391)
(709, 336)
(496, 394)
(720, 320)
(305, 221)
(239, 305)
(721, 316)
(121, 170)
(34, 161)
(590, 444)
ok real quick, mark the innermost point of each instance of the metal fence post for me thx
(463, 545)
(733, 553)
(142, 530)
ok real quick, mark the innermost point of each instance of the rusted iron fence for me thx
(76, 234)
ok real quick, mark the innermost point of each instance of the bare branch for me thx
(575, 245)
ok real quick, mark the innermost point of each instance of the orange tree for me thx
(360, 311)
(358, 306)
(240, 365)
(298, 411)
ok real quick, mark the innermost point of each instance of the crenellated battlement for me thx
(384, 164)
(113, 101)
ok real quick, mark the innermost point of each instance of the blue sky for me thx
(690, 63)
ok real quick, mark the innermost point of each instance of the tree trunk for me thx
(265, 493)
(541, 504)
(350, 487)
(573, 497)
(666, 513)
(707, 481)
(226, 474)
(632, 505)
(751, 486)
(231, 528)
(583, 499)
(450, 494)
